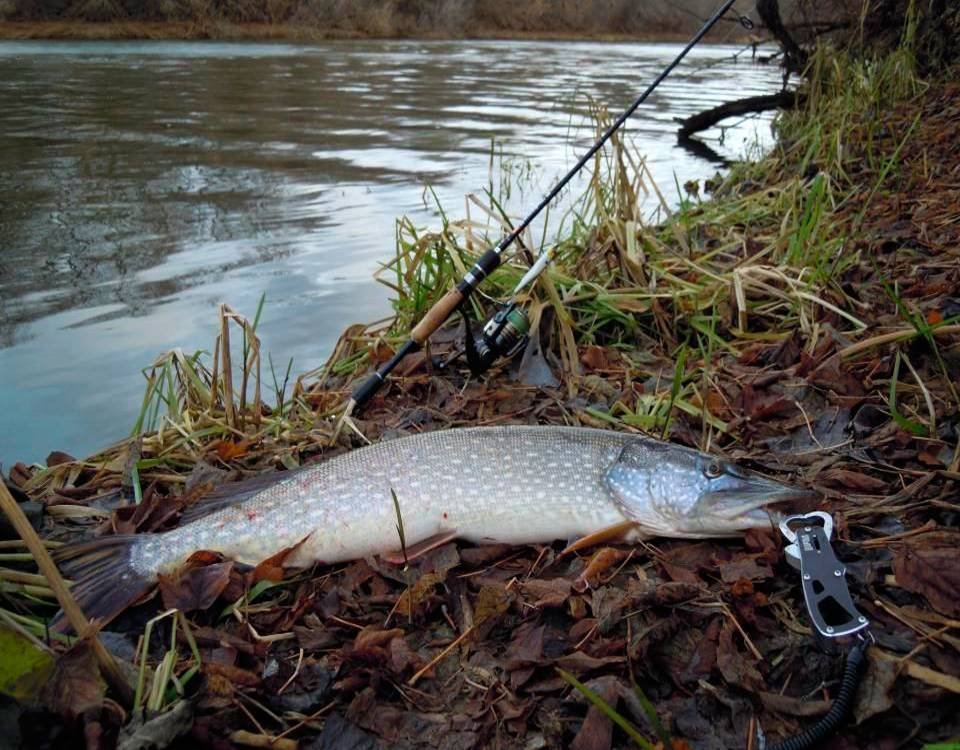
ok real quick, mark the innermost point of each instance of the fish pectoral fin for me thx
(420, 548)
(609, 534)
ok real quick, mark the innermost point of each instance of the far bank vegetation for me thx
(387, 18)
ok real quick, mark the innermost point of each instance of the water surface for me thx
(143, 183)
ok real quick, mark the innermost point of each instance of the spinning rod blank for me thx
(492, 258)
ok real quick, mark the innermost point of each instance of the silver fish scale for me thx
(504, 484)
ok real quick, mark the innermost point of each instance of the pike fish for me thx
(513, 485)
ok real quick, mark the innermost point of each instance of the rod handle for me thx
(436, 315)
(375, 380)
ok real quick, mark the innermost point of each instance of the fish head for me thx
(672, 490)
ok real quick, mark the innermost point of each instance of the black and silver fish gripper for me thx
(825, 591)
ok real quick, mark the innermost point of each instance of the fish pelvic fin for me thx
(104, 581)
(622, 531)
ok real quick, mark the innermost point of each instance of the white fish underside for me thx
(511, 485)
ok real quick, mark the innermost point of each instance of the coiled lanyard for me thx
(832, 613)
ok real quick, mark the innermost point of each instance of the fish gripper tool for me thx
(825, 591)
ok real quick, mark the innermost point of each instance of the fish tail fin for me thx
(104, 580)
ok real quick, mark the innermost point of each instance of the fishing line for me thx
(492, 258)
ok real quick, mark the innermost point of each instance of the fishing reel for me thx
(503, 335)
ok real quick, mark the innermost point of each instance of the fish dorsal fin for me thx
(231, 494)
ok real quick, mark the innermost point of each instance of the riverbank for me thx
(291, 32)
(802, 317)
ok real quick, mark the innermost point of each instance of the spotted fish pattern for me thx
(511, 485)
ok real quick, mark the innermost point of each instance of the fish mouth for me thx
(744, 501)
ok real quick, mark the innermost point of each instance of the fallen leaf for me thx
(596, 732)
(421, 589)
(271, 569)
(785, 704)
(874, 696)
(236, 675)
(547, 593)
(340, 734)
(373, 637)
(594, 357)
(933, 572)
(76, 685)
(745, 567)
(227, 450)
(25, 665)
(492, 601)
(847, 479)
(194, 588)
(579, 662)
(526, 647)
(735, 667)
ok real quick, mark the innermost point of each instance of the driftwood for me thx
(703, 120)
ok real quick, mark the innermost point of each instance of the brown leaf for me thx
(421, 589)
(594, 357)
(236, 675)
(607, 602)
(401, 655)
(785, 704)
(579, 662)
(933, 572)
(76, 686)
(194, 588)
(596, 733)
(847, 479)
(681, 562)
(271, 569)
(874, 695)
(526, 647)
(493, 600)
(59, 457)
(372, 637)
(744, 567)
(314, 638)
(547, 593)
(735, 667)
(228, 449)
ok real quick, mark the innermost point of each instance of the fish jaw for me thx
(741, 501)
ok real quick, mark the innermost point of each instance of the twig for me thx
(891, 337)
(227, 367)
(435, 660)
(746, 639)
(296, 671)
(306, 720)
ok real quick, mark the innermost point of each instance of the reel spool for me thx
(503, 335)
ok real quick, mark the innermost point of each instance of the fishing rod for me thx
(505, 333)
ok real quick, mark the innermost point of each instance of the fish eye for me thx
(713, 469)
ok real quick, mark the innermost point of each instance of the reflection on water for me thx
(142, 183)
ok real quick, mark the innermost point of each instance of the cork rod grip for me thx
(436, 315)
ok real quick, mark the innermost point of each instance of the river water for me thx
(143, 183)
